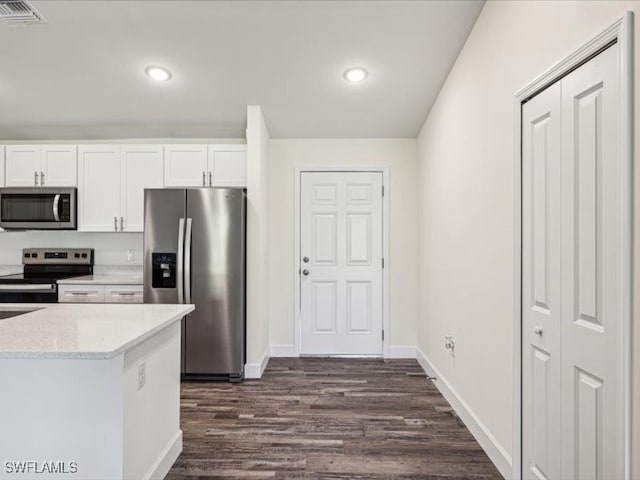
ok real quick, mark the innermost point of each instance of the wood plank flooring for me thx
(325, 418)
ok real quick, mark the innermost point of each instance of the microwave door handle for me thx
(187, 263)
(179, 268)
(56, 203)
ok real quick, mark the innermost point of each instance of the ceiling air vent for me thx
(18, 12)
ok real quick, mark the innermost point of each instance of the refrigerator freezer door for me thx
(214, 332)
(163, 209)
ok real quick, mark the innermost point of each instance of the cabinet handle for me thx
(126, 294)
(79, 294)
(121, 224)
(210, 180)
(42, 179)
(204, 179)
(35, 179)
(115, 224)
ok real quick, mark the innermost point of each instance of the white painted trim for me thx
(496, 452)
(166, 459)
(385, 246)
(401, 351)
(255, 370)
(622, 32)
(283, 351)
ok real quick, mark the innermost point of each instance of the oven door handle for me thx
(22, 288)
(56, 202)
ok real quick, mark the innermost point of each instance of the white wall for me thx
(397, 154)
(466, 196)
(257, 243)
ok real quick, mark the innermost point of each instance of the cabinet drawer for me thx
(123, 293)
(80, 293)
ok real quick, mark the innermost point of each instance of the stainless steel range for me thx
(42, 268)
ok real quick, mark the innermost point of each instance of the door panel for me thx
(99, 188)
(541, 305)
(591, 271)
(341, 235)
(59, 165)
(185, 166)
(141, 168)
(214, 332)
(22, 165)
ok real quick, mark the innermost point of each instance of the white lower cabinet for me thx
(100, 293)
(111, 183)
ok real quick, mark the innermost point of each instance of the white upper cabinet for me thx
(228, 165)
(41, 166)
(142, 167)
(99, 177)
(205, 166)
(111, 184)
(185, 166)
(59, 166)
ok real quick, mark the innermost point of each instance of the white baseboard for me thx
(395, 351)
(284, 351)
(498, 455)
(166, 459)
(255, 370)
(401, 351)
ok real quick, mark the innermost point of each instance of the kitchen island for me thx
(89, 391)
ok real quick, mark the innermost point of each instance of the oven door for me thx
(38, 208)
(29, 293)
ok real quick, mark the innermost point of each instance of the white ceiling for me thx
(81, 75)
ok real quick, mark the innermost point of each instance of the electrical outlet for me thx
(142, 374)
(449, 344)
(131, 255)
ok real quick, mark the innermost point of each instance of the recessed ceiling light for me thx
(159, 74)
(355, 74)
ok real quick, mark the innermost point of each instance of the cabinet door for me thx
(141, 168)
(59, 166)
(228, 165)
(99, 188)
(2, 166)
(22, 166)
(185, 165)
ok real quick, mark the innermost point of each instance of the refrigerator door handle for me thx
(179, 268)
(187, 263)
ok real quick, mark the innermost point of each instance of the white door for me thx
(592, 238)
(59, 166)
(23, 166)
(541, 277)
(185, 166)
(99, 188)
(141, 168)
(2, 149)
(341, 263)
(572, 300)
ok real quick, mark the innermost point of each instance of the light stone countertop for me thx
(81, 331)
(120, 278)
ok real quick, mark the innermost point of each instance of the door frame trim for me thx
(621, 31)
(385, 246)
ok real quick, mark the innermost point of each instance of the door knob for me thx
(305, 272)
(305, 259)
(537, 331)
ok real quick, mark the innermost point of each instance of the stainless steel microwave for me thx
(44, 208)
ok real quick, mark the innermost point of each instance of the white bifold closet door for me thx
(572, 300)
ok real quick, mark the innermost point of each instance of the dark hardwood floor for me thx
(319, 418)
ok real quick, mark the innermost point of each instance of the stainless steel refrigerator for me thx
(194, 252)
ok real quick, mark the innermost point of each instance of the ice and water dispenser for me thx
(164, 270)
